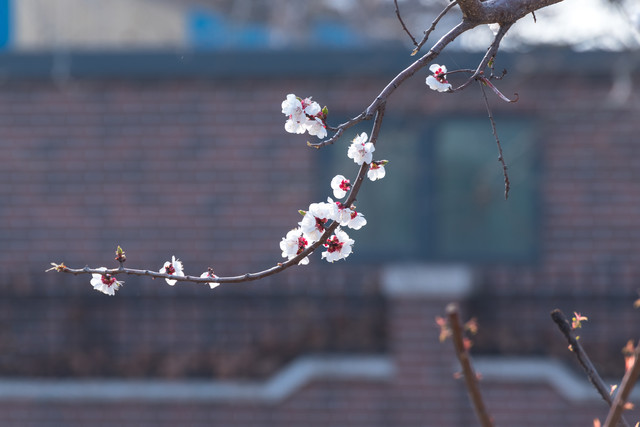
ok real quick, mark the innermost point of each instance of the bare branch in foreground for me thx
(629, 380)
(594, 378)
(470, 379)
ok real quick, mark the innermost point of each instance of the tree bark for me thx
(500, 11)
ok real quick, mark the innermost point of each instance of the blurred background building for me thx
(156, 125)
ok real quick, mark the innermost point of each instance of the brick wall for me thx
(192, 160)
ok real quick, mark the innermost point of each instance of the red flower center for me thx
(108, 279)
(302, 244)
(169, 269)
(440, 76)
(333, 244)
(320, 223)
(345, 185)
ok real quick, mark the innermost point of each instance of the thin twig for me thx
(397, 81)
(404, 27)
(420, 63)
(339, 130)
(592, 374)
(629, 380)
(507, 183)
(471, 381)
(490, 55)
(428, 32)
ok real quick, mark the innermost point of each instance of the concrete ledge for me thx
(523, 371)
(282, 385)
(262, 63)
(442, 281)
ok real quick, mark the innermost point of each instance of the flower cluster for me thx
(319, 216)
(304, 115)
(438, 80)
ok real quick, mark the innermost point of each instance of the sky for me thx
(285, 24)
(583, 24)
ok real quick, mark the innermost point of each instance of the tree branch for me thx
(404, 27)
(629, 380)
(376, 109)
(428, 32)
(377, 124)
(475, 13)
(491, 54)
(339, 130)
(500, 11)
(470, 378)
(592, 374)
(507, 183)
(422, 62)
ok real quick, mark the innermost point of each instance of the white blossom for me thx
(357, 220)
(376, 170)
(316, 127)
(360, 150)
(438, 80)
(340, 186)
(304, 115)
(314, 220)
(338, 246)
(293, 244)
(105, 283)
(174, 268)
(347, 216)
(210, 274)
(311, 108)
(293, 126)
(343, 214)
(292, 107)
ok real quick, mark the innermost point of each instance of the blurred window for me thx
(443, 196)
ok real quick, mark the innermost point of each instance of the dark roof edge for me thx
(273, 64)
